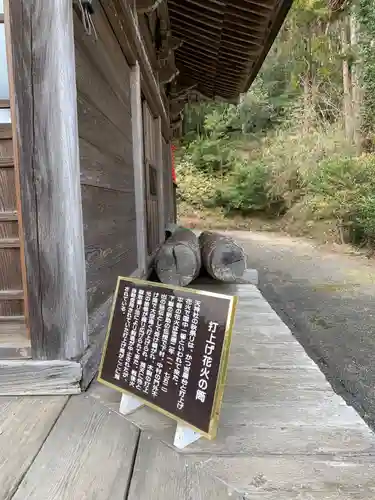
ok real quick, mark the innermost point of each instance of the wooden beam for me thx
(6, 163)
(30, 377)
(11, 294)
(160, 167)
(139, 171)
(8, 216)
(44, 116)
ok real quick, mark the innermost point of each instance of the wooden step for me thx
(11, 295)
(9, 243)
(6, 163)
(8, 216)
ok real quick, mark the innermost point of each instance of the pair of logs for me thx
(179, 260)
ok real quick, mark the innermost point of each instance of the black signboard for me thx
(169, 346)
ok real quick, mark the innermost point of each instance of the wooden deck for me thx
(283, 435)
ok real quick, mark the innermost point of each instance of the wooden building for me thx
(91, 94)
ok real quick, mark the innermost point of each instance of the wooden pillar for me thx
(139, 170)
(161, 192)
(43, 102)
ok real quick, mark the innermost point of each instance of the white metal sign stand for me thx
(184, 435)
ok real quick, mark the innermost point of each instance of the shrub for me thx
(213, 155)
(343, 189)
(245, 190)
(195, 188)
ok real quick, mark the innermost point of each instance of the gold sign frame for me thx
(223, 366)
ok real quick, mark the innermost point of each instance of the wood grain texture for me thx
(39, 377)
(178, 262)
(11, 307)
(298, 477)
(161, 188)
(6, 146)
(151, 176)
(106, 54)
(98, 90)
(5, 130)
(7, 190)
(10, 269)
(8, 225)
(45, 112)
(139, 171)
(9, 243)
(98, 324)
(97, 129)
(107, 176)
(222, 257)
(25, 424)
(95, 462)
(103, 169)
(109, 216)
(168, 183)
(160, 473)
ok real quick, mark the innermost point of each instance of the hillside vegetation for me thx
(298, 150)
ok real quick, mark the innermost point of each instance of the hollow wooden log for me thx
(222, 257)
(178, 261)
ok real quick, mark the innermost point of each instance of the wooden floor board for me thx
(88, 455)
(24, 425)
(160, 473)
(283, 435)
(297, 478)
(144, 418)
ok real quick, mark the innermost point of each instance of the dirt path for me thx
(327, 298)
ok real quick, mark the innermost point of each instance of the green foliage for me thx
(283, 149)
(365, 12)
(277, 176)
(246, 190)
(195, 188)
(344, 189)
(212, 155)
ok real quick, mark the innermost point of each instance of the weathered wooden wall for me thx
(106, 153)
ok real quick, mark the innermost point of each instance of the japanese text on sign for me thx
(165, 346)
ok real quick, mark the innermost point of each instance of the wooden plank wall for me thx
(106, 154)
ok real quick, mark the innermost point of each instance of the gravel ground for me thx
(326, 297)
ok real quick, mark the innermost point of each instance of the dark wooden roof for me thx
(224, 41)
